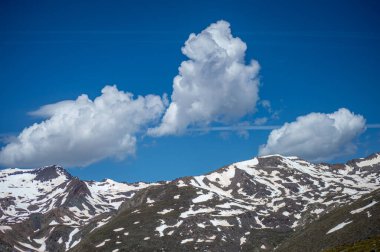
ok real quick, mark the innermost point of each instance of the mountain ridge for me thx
(250, 205)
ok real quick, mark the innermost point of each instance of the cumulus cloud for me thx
(214, 85)
(316, 136)
(80, 132)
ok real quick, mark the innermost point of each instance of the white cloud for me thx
(214, 85)
(316, 136)
(80, 132)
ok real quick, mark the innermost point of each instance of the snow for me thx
(136, 222)
(149, 201)
(4, 228)
(187, 240)
(118, 229)
(41, 242)
(53, 222)
(146, 238)
(242, 240)
(75, 243)
(343, 185)
(247, 163)
(22, 185)
(165, 211)
(26, 245)
(198, 182)
(115, 250)
(222, 178)
(339, 226)
(160, 229)
(126, 233)
(223, 223)
(229, 213)
(180, 183)
(364, 208)
(239, 221)
(370, 162)
(259, 222)
(68, 243)
(191, 212)
(211, 237)
(318, 211)
(263, 247)
(203, 198)
(201, 225)
(102, 243)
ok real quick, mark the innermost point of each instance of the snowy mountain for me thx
(262, 204)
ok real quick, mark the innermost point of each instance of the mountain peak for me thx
(51, 172)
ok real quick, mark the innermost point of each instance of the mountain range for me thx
(268, 203)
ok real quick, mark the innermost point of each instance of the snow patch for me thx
(187, 240)
(103, 243)
(203, 197)
(369, 162)
(339, 226)
(149, 201)
(165, 211)
(364, 208)
(223, 223)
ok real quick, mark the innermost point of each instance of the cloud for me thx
(80, 132)
(266, 105)
(260, 121)
(214, 85)
(316, 136)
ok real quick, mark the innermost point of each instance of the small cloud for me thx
(260, 121)
(317, 136)
(266, 105)
(275, 115)
(243, 134)
(213, 85)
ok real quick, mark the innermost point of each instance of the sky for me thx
(155, 90)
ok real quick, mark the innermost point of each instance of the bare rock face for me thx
(262, 204)
(50, 172)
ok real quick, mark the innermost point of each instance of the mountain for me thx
(263, 204)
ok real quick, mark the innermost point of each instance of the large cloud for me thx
(80, 132)
(214, 85)
(316, 136)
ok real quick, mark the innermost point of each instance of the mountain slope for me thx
(343, 226)
(255, 205)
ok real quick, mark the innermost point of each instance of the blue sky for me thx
(315, 56)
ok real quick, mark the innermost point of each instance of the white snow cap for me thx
(214, 85)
